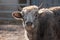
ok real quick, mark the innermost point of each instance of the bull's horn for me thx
(41, 5)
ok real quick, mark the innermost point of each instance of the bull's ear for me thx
(17, 15)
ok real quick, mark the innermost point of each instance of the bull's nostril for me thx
(29, 23)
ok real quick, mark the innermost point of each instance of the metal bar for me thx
(6, 11)
(13, 4)
(6, 18)
(28, 2)
(54, 4)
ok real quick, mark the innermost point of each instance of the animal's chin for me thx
(29, 28)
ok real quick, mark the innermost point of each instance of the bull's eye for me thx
(24, 18)
(36, 15)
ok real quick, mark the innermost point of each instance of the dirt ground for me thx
(11, 32)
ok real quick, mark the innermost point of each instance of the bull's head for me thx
(28, 15)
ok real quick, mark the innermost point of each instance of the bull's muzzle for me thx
(29, 23)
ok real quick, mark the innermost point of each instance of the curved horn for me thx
(41, 5)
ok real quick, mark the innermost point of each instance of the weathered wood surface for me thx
(11, 32)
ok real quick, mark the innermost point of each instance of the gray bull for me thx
(29, 17)
(38, 24)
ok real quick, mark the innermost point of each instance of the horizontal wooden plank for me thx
(13, 4)
(5, 11)
(7, 19)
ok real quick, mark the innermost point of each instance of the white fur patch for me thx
(26, 38)
(44, 10)
(29, 8)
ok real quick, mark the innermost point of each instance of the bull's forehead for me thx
(29, 15)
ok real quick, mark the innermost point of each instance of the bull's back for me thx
(56, 11)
